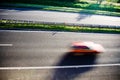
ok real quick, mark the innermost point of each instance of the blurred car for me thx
(86, 48)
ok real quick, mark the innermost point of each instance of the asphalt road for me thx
(59, 17)
(49, 48)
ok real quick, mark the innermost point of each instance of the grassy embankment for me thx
(55, 27)
(84, 6)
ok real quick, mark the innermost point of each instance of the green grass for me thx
(85, 9)
(85, 6)
(56, 27)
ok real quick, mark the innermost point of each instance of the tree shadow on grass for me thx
(73, 60)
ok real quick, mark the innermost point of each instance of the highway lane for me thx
(49, 48)
(59, 17)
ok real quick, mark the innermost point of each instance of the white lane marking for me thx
(26, 31)
(57, 67)
(6, 45)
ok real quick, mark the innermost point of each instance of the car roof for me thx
(82, 43)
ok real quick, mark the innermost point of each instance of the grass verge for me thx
(57, 27)
(109, 12)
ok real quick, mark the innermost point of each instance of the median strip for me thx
(12, 24)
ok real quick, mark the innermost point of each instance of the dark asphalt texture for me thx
(51, 48)
(59, 17)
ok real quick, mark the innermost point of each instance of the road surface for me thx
(44, 55)
(59, 17)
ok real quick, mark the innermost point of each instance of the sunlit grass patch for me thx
(84, 6)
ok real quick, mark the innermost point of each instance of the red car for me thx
(86, 47)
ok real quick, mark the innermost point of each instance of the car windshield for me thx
(80, 47)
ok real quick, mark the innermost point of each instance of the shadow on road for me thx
(83, 16)
(70, 60)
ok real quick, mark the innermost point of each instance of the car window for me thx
(80, 47)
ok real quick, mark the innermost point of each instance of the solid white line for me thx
(57, 67)
(27, 31)
(6, 45)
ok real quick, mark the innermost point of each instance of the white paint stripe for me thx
(57, 67)
(6, 45)
(27, 31)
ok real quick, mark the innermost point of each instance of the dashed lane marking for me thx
(6, 45)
